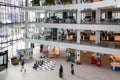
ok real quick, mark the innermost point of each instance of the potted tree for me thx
(49, 2)
(66, 1)
(35, 3)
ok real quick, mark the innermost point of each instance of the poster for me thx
(24, 53)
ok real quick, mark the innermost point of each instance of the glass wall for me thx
(11, 17)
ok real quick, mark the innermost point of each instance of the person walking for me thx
(22, 66)
(72, 69)
(61, 71)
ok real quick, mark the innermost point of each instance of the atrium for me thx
(48, 33)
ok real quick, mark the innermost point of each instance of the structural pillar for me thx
(37, 16)
(78, 55)
(98, 16)
(97, 34)
(78, 17)
(106, 16)
(78, 1)
(98, 19)
(52, 14)
(45, 17)
(26, 24)
(78, 22)
(26, 28)
(78, 36)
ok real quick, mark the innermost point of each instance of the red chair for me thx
(93, 60)
(98, 62)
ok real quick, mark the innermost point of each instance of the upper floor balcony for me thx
(80, 5)
(84, 21)
(109, 13)
(105, 46)
(107, 38)
(57, 20)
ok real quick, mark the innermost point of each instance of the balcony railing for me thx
(84, 41)
(73, 21)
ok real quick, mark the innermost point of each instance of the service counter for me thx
(115, 66)
(115, 62)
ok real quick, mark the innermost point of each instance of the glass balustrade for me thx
(73, 21)
(90, 41)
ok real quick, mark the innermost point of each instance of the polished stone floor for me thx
(82, 72)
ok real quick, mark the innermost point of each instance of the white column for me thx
(78, 55)
(26, 27)
(97, 35)
(41, 2)
(26, 22)
(52, 14)
(106, 16)
(58, 31)
(98, 19)
(55, 1)
(37, 16)
(45, 20)
(74, 1)
(78, 22)
(78, 17)
(26, 45)
(45, 17)
(78, 36)
(98, 15)
(78, 1)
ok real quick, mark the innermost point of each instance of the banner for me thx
(24, 53)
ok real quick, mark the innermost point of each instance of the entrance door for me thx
(3, 60)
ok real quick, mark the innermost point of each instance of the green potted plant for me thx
(49, 2)
(35, 3)
(66, 1)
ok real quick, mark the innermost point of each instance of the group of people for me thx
(61, 70)
(41, 62)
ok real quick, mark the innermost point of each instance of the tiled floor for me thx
(82, 72)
